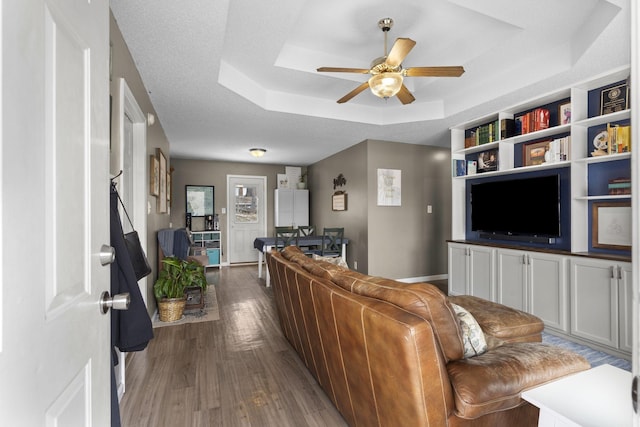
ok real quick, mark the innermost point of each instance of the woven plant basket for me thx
(171, 309)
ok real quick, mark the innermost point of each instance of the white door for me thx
(54, 342)
(635, 197)
(247, 217)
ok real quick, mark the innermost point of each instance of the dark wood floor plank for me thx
(238, 371)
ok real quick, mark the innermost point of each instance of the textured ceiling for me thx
(225, 76)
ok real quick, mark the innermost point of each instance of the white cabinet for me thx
(471, 270)
(291, 208)
(600, 301)
(534, 282)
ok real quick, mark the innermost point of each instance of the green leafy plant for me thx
(177, 275)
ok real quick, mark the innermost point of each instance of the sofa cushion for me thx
(332, 260)
(494, 380)
(501, 323)
(422, 299)
(472, 336)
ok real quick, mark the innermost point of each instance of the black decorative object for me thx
(339, 181)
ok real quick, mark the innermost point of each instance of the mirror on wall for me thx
(199, 200)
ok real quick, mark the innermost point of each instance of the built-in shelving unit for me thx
(579, 289)
(584, 122)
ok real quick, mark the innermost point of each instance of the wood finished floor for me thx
(236, 371)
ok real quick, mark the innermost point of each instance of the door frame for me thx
(125, 104)
(230, 205)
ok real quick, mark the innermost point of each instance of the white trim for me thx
(423, 279)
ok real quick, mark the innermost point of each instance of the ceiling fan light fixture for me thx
(385, 85)
(257, 152)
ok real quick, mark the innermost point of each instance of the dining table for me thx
(265, 244)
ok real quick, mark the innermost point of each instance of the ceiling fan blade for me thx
(343, 70)
(353, 93)
(433, 72)
(405, 96)
(399, 51)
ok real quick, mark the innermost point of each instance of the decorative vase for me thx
(171, 309)
(301, 185)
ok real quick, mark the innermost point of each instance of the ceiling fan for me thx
(387, 73)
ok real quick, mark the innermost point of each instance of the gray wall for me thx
(406, 241)
(210, 172)
(352, 164)
(395, 242)
(124, 67)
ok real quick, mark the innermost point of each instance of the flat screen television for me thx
(517, 207)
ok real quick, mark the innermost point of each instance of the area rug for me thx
(595, 357)
(208, 313)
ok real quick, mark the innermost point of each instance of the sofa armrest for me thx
(501, 324)
(494, 380)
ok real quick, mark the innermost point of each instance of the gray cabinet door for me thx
(594, 301)
(547, 291)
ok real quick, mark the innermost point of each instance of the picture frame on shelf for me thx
(487, 161)
(533, 153)
(611, 225)
(615, 98)
(564, 113)
(154, 176)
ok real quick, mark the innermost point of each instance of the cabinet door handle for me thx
(613, 274)
(619, 272)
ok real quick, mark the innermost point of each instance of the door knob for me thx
(117, 302)
(107, 255)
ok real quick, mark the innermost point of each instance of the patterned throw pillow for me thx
(333, 260)
(472, 335)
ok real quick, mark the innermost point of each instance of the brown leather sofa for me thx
(391, 354)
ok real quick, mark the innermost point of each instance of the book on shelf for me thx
(507, 128)
(482, 134)
(619, 186)
(618, 138)
(459, 167)
(532, 121)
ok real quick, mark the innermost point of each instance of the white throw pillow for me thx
(333, 260)
(472, 335)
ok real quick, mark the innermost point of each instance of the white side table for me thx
(598, 397)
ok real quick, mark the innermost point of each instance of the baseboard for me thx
(424, 278)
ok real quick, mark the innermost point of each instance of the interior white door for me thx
(635, 196)
(54, 342)
(247, 217)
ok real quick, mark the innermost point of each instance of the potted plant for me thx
(169, 289)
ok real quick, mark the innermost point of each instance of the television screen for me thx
(525, 206)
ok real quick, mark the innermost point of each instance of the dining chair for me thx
(286, 236)
(306, 230)
(332, 242)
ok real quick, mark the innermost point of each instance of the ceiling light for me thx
(257, 152)
(385, 85)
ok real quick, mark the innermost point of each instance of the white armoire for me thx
(291, 208)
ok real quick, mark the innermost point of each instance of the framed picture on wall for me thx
(339, 201)
(199, 200)
(161, 204)
(154, 176)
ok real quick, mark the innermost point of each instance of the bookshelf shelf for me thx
(586, 178)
